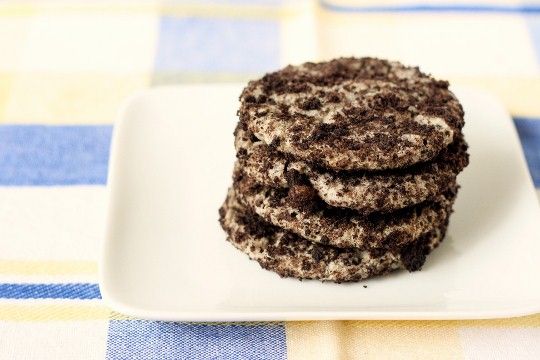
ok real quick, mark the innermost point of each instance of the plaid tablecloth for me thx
(64, 68)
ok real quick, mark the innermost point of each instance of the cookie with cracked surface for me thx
(367, 192)
(289, 255)
(299, 210)
(353, 113)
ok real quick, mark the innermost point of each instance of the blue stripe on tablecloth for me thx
(50, 291)
(139, 339)
(529, 133)
(53, 155)
(427, 7)
(210, 45)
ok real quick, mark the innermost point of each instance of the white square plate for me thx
(165, 256)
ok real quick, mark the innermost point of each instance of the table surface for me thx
(64, 70)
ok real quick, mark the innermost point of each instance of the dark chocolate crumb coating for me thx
(365, 191)
(351, 114)
(289, 255)
(299, 210)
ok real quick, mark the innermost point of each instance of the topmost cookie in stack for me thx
(346, 169)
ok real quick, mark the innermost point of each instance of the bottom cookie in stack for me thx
(290, 255)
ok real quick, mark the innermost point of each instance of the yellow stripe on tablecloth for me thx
(314, 340)
(387, 339)
(231, 11)
(517, 322)
(69, 98)
(59, 7)
(57, 312)
(519, 94)
(31, 267)
(84, 98)
(387, 342)
(344, 340)
(15, 10)
(173, 9)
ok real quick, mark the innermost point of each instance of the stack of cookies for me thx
(345, 169)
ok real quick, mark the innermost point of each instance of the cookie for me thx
(352, 114)
(289, 255)
(299, 210)
(367, 192)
